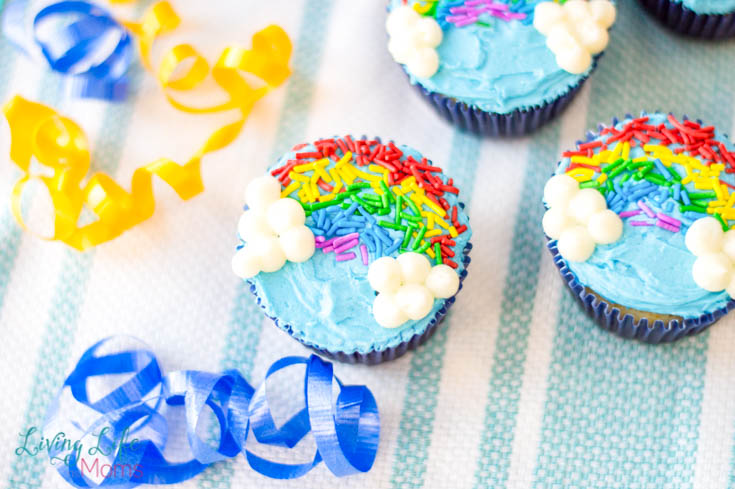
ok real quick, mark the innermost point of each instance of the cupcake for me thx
(498, 67)
(354, 247)
(708, 19)
(639, 222)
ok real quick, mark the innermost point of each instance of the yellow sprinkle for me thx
(432, 233)
(716, 203)
(326, 197)
(582, 174)
(602, 178)
(366, 176)
(626, 151)
(731, 200)
(453, 232)
(686, 179)
(718, 191)
(430, 221)
(378, 169)
(397, 190)
(344, 160)
(298, 177)
(321, 172)
(303, 168)
(442, 223)
(616, 151)
(582, 159)
(430, 252)
(433, 206)
(655, 148)
(287, 191)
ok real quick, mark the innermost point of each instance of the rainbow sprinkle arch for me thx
(365, 199)
(682, 161)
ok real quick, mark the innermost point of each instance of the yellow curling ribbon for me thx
(60, 144)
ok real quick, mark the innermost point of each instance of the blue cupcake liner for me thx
(391, 353)
(685, 21)
(608, 315)
(491, 124)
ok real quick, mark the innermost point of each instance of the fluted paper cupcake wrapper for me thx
(378, 356)
(638, 326)
(514, 124)
(685, 21)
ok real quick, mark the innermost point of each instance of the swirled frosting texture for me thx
(709, 6)
(649, 268)
(329, 304)
(498, 69)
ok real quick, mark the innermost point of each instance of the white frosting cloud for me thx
(714, 268)
(413, 40)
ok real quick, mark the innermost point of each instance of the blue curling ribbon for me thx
(85, 44)
(129, 428)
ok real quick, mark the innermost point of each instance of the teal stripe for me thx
(68, 298)
(422, 386)
(516, 310)
(246, 319)
(619, 410)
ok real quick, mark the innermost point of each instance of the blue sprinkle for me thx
(685, 196)
(343, 223)
(317, 231)
(615, 201)
(382, 235)
(694, 214)
(378, 248)
(366, 214)
(660, 167)
(344, 231)
(351, 209)
(677, 191)
(393, 247)
(669, 206)
(616, 186)
(366, 237)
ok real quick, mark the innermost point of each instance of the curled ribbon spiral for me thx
(132, 423)
(57, 142)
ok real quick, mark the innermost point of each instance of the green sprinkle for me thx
(409, 217)
(321, 205)
(392, 225)
(724, 225)
(674, 174)
(407, 235)
(399, 208)
(657, 179)
(625, 178)
(383, 211)
(618, 171)
(613, 165)
(700, 202)
(413, 207)
(702, 195)
(385, 202)
(693, 208)
(365, 205)
(590, 184)
(419, 237)
(307, 213)
(358, 185)
(424, 247)
(372, 198)
(437, 253)
(387, 191)
(645, 168)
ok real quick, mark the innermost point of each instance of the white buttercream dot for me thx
(576, 244)
(728, 244)
(576, 10)
(605, 227)
(253, 223)
(400, 49)
(561, 39)
(559, 190)
(414, 300)
(245, 263)
(415, 267)
(423, 63)
(262, 192)
(401, 18)
(443, 281)
(427, 32)
(592, 36)
(269, 252)
(704, 236)
(712, 271)
(603, 11)
(285, 214)
(575, 61)
(297, 244)
(586, 202)
(384, 275)
(545, 15)
(386, 311)
(731, 287)
(554, 222)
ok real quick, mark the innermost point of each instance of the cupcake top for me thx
(708, 6)
(384, 250)
(498, 55)
(641, 210)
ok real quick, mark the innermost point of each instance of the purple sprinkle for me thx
(667, 226)
(346, 256)
(639, 223)
(669, 220)
(346, 246)
(345, 238)
(629, 213)
(328, 249)
(646, 209)
(364, 253)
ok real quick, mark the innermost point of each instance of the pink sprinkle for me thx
(667, 226)
(630, 213)
(364, 253)
(328, 249)
(646, 209)
(324, 244)
(669, 220)
(345, 238)
(639, 223)
(319, 239)
(345, 246)
(346, 256)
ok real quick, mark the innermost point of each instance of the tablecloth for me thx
(518, 389)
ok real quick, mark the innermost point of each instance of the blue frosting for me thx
(649, 268)
(709, 6)
(499, 69)
(329, 304)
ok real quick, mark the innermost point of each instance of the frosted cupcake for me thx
(354, 247)
(708, 19)
(639, 220)
(498, 67)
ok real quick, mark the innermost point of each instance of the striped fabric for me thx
(517, 390)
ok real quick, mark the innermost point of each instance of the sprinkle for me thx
(437, 253)
(343, 239)
(630, 213)
(667, 226)
(364, 253)
(639, 223)
(346, 256)
(642, 205)
(668, 219)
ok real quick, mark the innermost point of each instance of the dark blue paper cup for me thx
(379, 356)
(681, 19)
(632, 324)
